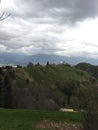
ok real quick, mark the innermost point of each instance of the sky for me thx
(61, 27)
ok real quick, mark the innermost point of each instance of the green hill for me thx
(91, 69)
(52, 73)
(44, 87)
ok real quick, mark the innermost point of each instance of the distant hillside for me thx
(91, 69)
(43, 58)
(9, 58)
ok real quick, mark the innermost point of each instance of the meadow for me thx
(22, 119)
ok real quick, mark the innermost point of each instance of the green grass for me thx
(16, 119)
(55, 73)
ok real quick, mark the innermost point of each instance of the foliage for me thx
(91, 116)
(91, 69)
(47, 87)
(44, 87)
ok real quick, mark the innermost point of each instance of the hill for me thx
(91, 69)
(44, 87)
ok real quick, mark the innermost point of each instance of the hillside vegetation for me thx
(44, 87)
(49, 87)
(91, 69)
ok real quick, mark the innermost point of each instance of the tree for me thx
(1, 90)
(91, 116)
(47, 65)
(68, 88)
(7, 86)
(3, 15)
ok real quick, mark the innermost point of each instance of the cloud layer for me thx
(64, 27)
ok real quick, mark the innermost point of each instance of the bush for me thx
(91, 116)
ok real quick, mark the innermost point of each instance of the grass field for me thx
(16, 119)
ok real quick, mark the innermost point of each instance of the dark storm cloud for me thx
(62, 10)
(74, 9)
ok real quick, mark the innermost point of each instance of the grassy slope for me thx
(50, 77)
(26, 119)
(52, 74)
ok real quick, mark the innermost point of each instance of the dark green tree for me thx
(7, 91)
(68, 88)
(91, 116)
(1, 90)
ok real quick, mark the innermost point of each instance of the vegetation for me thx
(47, 87)
(12, 119)
(44, 87)
(50, 87)
(91, 69)
(91, 115)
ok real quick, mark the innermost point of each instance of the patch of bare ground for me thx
(52, 125)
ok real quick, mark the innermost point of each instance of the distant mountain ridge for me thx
(43, 58)
(9, 58)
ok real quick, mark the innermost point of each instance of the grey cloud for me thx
(77, 9)
(91, 44)
(4, 36)
(26, 38)
(71, 10)
(27, 9)
(38, 23)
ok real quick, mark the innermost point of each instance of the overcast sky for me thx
(63, 27)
